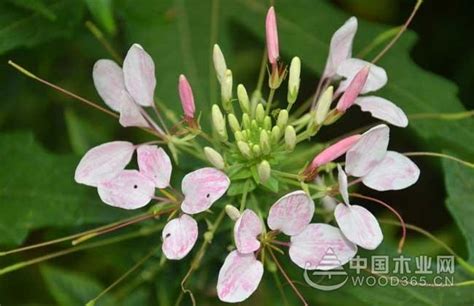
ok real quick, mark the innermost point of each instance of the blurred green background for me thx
(43, 133)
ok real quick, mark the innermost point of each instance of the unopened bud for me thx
(244, 149)
(272, 36)
(265, 142)
(214, 158)
(290, 138)
(233, 122)
(243, 99)
(226, 90)
(219, 62)
(218, 122)
(257, 151)
(232, 212)
(276, 134)
(294, 79)
(260, 113)
(282, 118)
(324, 102)
(254, 125)
(267, 123)
(246, 121)
(264, 171)
(238, 136)
(353, 90)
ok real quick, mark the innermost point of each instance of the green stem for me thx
(269, 101)
(103, 41)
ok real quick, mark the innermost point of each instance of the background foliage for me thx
(44, 133)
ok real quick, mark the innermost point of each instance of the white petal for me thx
(368, 152)
(155, 164)
(179, 236)
(108, 80)
(291, 213)
(103, 162)
(383, 109)
(139, 74)
(246, 230)
(130, 115)
(342, 179)
(341, 46)
(201, 188)
(321, 246)
(359, 225)
(349, 68)
(239, 277)
(129, 190)
(394, 172)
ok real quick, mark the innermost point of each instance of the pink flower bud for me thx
(187, 98)
(353, 90)
(272, 36)
(333, 152)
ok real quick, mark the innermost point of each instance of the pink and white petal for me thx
(103, 162)
(139, 74)
(321, 246)
(349, 68)
(246, 230)
(342, 179)
(394, 172)
(359, 226)
(383, 109)
(155, 164)
(201, 188)
(108, 80)
(179, 236)
(291, 213)
(128, 190)
(238, 277)
(368, 152)
(130, 115)
(341, 47)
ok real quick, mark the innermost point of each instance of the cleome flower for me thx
(291, 215)
(104, 167)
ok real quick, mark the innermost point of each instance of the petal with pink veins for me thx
(179, 236)
(139, 75)
(394, 172)
(383, 109)
(342, 179)
(201, 188)
(341, 46)
(246, 230)
(368, 152)
(103, 162)
(129, 190)
(155, 164)
(291, 213)
(359, 225)
(239, 277)
(321, 246)
(348, 69)
(108, 80)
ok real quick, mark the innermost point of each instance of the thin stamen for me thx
(435, 154)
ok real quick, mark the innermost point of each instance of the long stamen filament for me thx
(435, 154)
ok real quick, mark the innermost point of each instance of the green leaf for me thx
(103, 13)
(459, 182)
(28, 28)
(38, 6)
(37, 189)
(71, 288)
